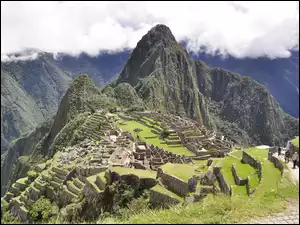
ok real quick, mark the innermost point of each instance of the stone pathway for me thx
(294, 172)
(290, 216)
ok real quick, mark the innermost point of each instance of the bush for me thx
(8, 218)
(136, 206)
(43, 210)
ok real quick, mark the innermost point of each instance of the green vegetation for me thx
(295, 141)
(218, 209)
(182, 171)
(43, 210)
(270, 197)
(130, 126)
(138, 172)
(22, 180)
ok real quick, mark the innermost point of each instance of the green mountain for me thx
(164, 75)
(151, 116)
(31, 90)
(30, 94)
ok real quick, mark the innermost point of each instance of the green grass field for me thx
(138, 172)
(182, 171)
(146, 132)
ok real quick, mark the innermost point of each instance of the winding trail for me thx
(291, 214)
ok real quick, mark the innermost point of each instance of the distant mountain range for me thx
(32, 90)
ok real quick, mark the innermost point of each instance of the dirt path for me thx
(293, 172)
(289, 216)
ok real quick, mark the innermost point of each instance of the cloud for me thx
(241, 29)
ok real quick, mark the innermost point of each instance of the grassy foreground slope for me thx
(271, 196)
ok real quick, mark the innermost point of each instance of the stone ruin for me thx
(147, 156)
(193, 136)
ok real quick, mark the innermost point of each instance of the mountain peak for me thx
(159, 34)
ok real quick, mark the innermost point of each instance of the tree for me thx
(137, 131)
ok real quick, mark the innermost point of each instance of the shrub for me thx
(43, 210)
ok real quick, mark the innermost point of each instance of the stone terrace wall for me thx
(174, 184)
(222, 183)
(158, 199)
(246, 158)
(238, 180)
(69, 176)
(277, 163)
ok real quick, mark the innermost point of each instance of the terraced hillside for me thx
(150, 133)
(80, 181)
(96, 126)
(126, 157)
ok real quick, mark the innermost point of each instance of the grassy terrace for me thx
(295, 141)
(146, 132)
(243, 170)
(91, 180)
(138, 172)
(182, 171)
(22, 180)
(271, 196)
(160, 189)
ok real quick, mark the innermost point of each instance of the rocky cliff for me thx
(163, 75)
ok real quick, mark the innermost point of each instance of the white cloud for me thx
(242, 29)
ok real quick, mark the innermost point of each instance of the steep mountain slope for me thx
(280, 76)
(81, 99)
(245, 103)
(31, 90)
(30, 94)
(166, 78)
(12, 165)
(163, 75)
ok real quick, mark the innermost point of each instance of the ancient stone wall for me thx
(158, 199)
(246, 158)
(222, 183)
(273, 149)
(91, 193)
(237, 179)
(277, 164)
(248, 188)
(17, 210)
(69, 176)
(174, 184)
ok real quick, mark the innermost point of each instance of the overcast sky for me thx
(242, 29)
